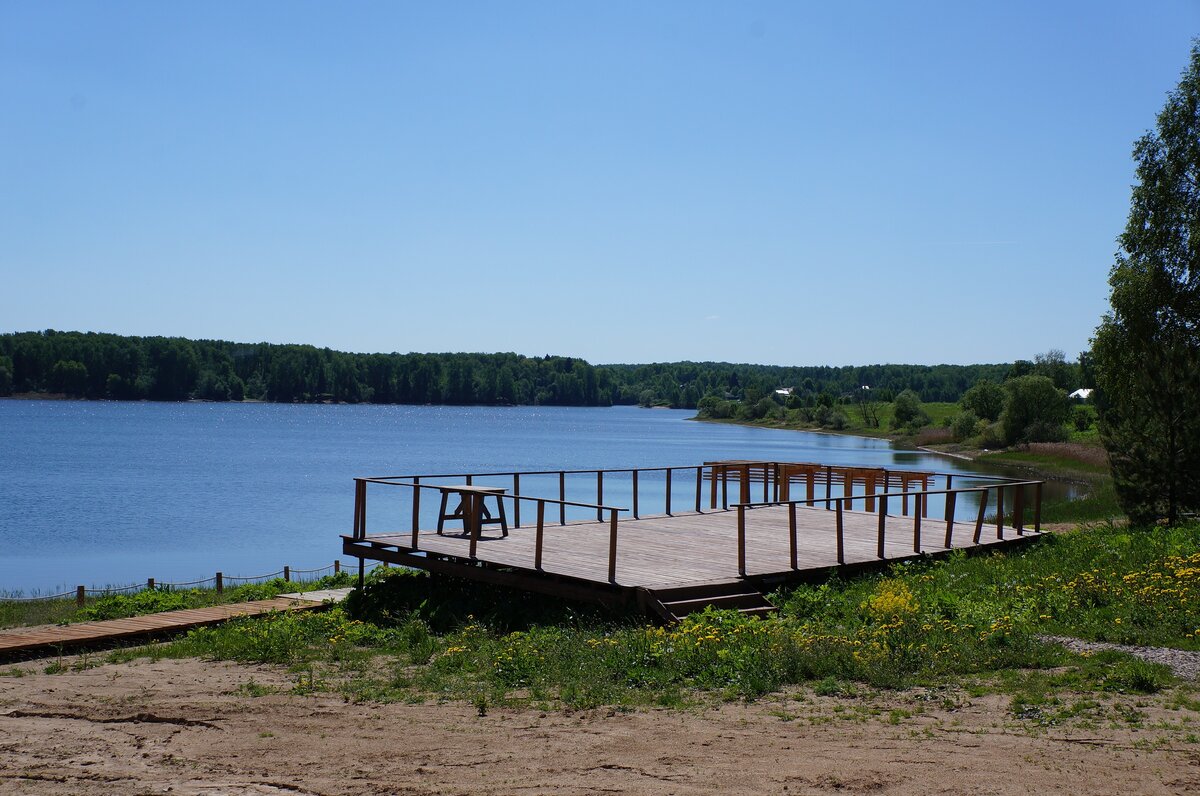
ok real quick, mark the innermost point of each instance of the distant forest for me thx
(95, 365)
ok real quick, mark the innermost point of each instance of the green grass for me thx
(961, 620)
(19, 613)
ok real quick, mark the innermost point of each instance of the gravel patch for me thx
(1183, 663)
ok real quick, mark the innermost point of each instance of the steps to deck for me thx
(673, 604)
(26, 640)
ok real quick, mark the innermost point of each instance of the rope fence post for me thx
(80, 596)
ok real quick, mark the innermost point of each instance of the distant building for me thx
(784, 391)
(1083, 394)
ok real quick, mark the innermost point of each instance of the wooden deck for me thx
(725, 548)
(662, 552)
(26, 640)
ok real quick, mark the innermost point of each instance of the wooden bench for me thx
(471, 508)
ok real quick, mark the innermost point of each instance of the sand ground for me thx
(192, 727)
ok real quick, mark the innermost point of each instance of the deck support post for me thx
(1037, 507)
(1019, 509)
(841, 538)
(635, 495)
(599, 495)
(951, 504)
(917, 501)
(471, 510)
(792, 534)
(999, 512)
(882, 525)
(537, 544)
(562, 496)
(416, 518)
(516, 500)
(741, 539)
(983, 499)
(612, 546)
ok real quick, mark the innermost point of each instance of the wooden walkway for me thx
(670, 551)
(50, 637)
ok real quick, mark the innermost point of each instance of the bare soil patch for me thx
(191, 727)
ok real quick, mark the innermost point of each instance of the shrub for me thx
(963, 425)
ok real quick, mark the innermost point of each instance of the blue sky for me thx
(788, 183)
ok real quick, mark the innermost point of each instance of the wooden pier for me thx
(717, 549)
(30, 640)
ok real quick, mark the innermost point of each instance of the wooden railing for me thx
(921, 499)
(473, 528)
(777, 478)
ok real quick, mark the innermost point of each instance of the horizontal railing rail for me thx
(921, 498)
(777, 479)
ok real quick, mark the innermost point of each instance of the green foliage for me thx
(69, 377)
(1146, 352)
(175, 369)
(964, 425)
(986, 399)
(1035, 411)
(922, 622)
(906, 408)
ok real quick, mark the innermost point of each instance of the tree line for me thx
(108, 366)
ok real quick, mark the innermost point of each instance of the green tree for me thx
(1146, 352)
(986, 399)
(69, 377)
(906, 408)
(1035, 410)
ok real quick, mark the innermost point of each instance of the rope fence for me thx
(219, 581)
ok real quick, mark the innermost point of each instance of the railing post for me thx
(882, 525)
(221, 582)
(828, 485)
(917, 499)
(841, 538)
(744, 483)
(337, 566)
(517, 500)
(1037, 507)
(416, 505)
(1000, 512)
(599, 495)
(725, 486)
(471, 510)
(1019, 509)
(150, 584)
(612, 546)
(713, 487)
(741, 539)
(562, 496)
(668, 492)
(699, 486)
(635, 495)
(951, 504)
(80, 596)
(287, 574)
(537, 544)
(766, 486)
(792, 534)
(979, 517)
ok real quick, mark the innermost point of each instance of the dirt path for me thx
(190, 727)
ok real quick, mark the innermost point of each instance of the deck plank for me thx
(661, 551)
(28, 639)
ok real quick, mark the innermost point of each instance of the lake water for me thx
(106, 493)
